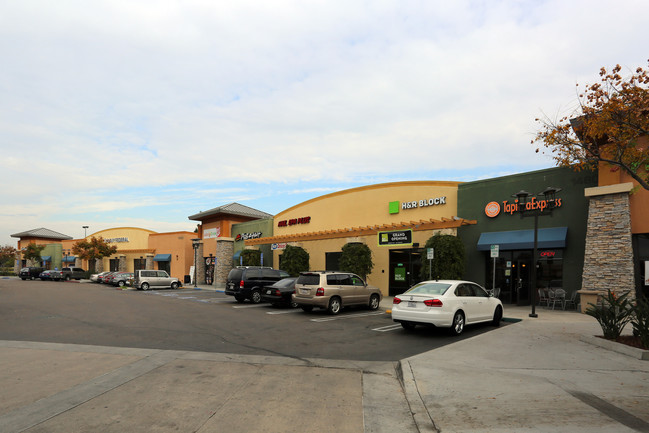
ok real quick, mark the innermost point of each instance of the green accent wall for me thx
(473, 197)
(265, 227)
(56, 252)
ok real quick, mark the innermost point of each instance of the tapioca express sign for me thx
(493, 209)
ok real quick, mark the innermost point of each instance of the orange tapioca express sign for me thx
(493, 209)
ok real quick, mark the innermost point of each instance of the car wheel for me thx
(374, 302)
(408, 326)
(121, 283)
(255, 297)
(293, 304)
(67, 278)
(240, 299)
(174, 286)
(498, 316)
(458, 323)
(145, 286)
(334, 305)
(307, 308)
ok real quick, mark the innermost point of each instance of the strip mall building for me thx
(597, 238)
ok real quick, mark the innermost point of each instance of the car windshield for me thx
(429, 289)
(286, 282)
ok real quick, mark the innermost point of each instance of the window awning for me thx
(69, 259)
(46, 258)
(237, 255)
(162, 258)
(524, 239)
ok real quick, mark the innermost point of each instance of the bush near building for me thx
(356, 258)
(294, 260)
(449, 258)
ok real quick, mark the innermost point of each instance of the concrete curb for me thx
(418, 409)
(614, 346)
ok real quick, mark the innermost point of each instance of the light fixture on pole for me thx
(534, 208)
(196, 243)
(85, 231)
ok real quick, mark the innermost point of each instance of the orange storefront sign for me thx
(492, 209)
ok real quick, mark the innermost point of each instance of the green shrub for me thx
(640, 321)
(294, 260)
(356, 258)
(251, 257)
(613, 315)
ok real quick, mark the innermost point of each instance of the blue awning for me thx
(69, 259)
(237, 255)
(524, 239)
(46, 258)
(162, 258)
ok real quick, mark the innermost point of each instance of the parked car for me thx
(333, 291)
(248, 282)
(145, 279)
(122, 278)
(104, 276)
(73, 273)
(446, 304)
(51, 275)
(280, 293)
(30, 273)
(95, 277)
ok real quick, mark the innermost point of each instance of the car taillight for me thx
(396, 301)
(241, 284)
(320, 291)
(278, 293)
(433, 303)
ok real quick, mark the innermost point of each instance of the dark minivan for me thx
(247, 282)
(30, 273)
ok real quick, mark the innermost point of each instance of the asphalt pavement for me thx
(539, 375)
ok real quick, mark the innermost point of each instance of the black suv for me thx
(30, 273)
(247, 282)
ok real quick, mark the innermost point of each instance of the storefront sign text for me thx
(278, 246)
(492, 209)
(246, 236)
(116, 240)
(401, 237)
(212, 233)
(395, 206)
(294, 221)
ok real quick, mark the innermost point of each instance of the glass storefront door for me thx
(405, 269)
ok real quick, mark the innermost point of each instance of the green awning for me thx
(162, 258)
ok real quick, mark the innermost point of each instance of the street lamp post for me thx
(196, 243)
(85, 231)
(535, 208)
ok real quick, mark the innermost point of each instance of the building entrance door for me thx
(405, 268)
(513, 274)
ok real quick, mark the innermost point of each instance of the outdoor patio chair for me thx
(558, 295)
(572, 301)
(543, 297)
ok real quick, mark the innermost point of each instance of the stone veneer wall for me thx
(608, 257)
(224, 253)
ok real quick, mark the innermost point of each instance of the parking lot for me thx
(202, 320)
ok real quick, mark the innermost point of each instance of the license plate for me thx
(304, 291)
(412, 304)
(268, 292)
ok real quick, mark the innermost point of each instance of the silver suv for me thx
(333, 291)
(145, 279)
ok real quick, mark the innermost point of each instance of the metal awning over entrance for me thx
(69, 259)
(554, 237)
(162, 258)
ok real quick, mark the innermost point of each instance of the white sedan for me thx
(446, 304)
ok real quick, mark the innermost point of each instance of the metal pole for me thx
(536, 240)
(195, 264)
(493, 284)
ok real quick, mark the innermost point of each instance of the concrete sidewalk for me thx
(534, 375)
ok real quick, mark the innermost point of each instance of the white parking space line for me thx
(284, 311)
(349, 316)
(387, 328)
(187, 297)
(250, 306)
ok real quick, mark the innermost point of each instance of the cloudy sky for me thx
(141, 113)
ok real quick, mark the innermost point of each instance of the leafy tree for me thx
(609, 126)
(251, 257)
(93, 249)
(448, 263)
(7, 255)
(294, 260)
(357, 258)
(32, 252)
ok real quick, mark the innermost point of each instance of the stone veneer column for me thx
(149, 262)
(608, 257)
(99, 265)
(200, 266)
(224, 253)
(122, 263)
